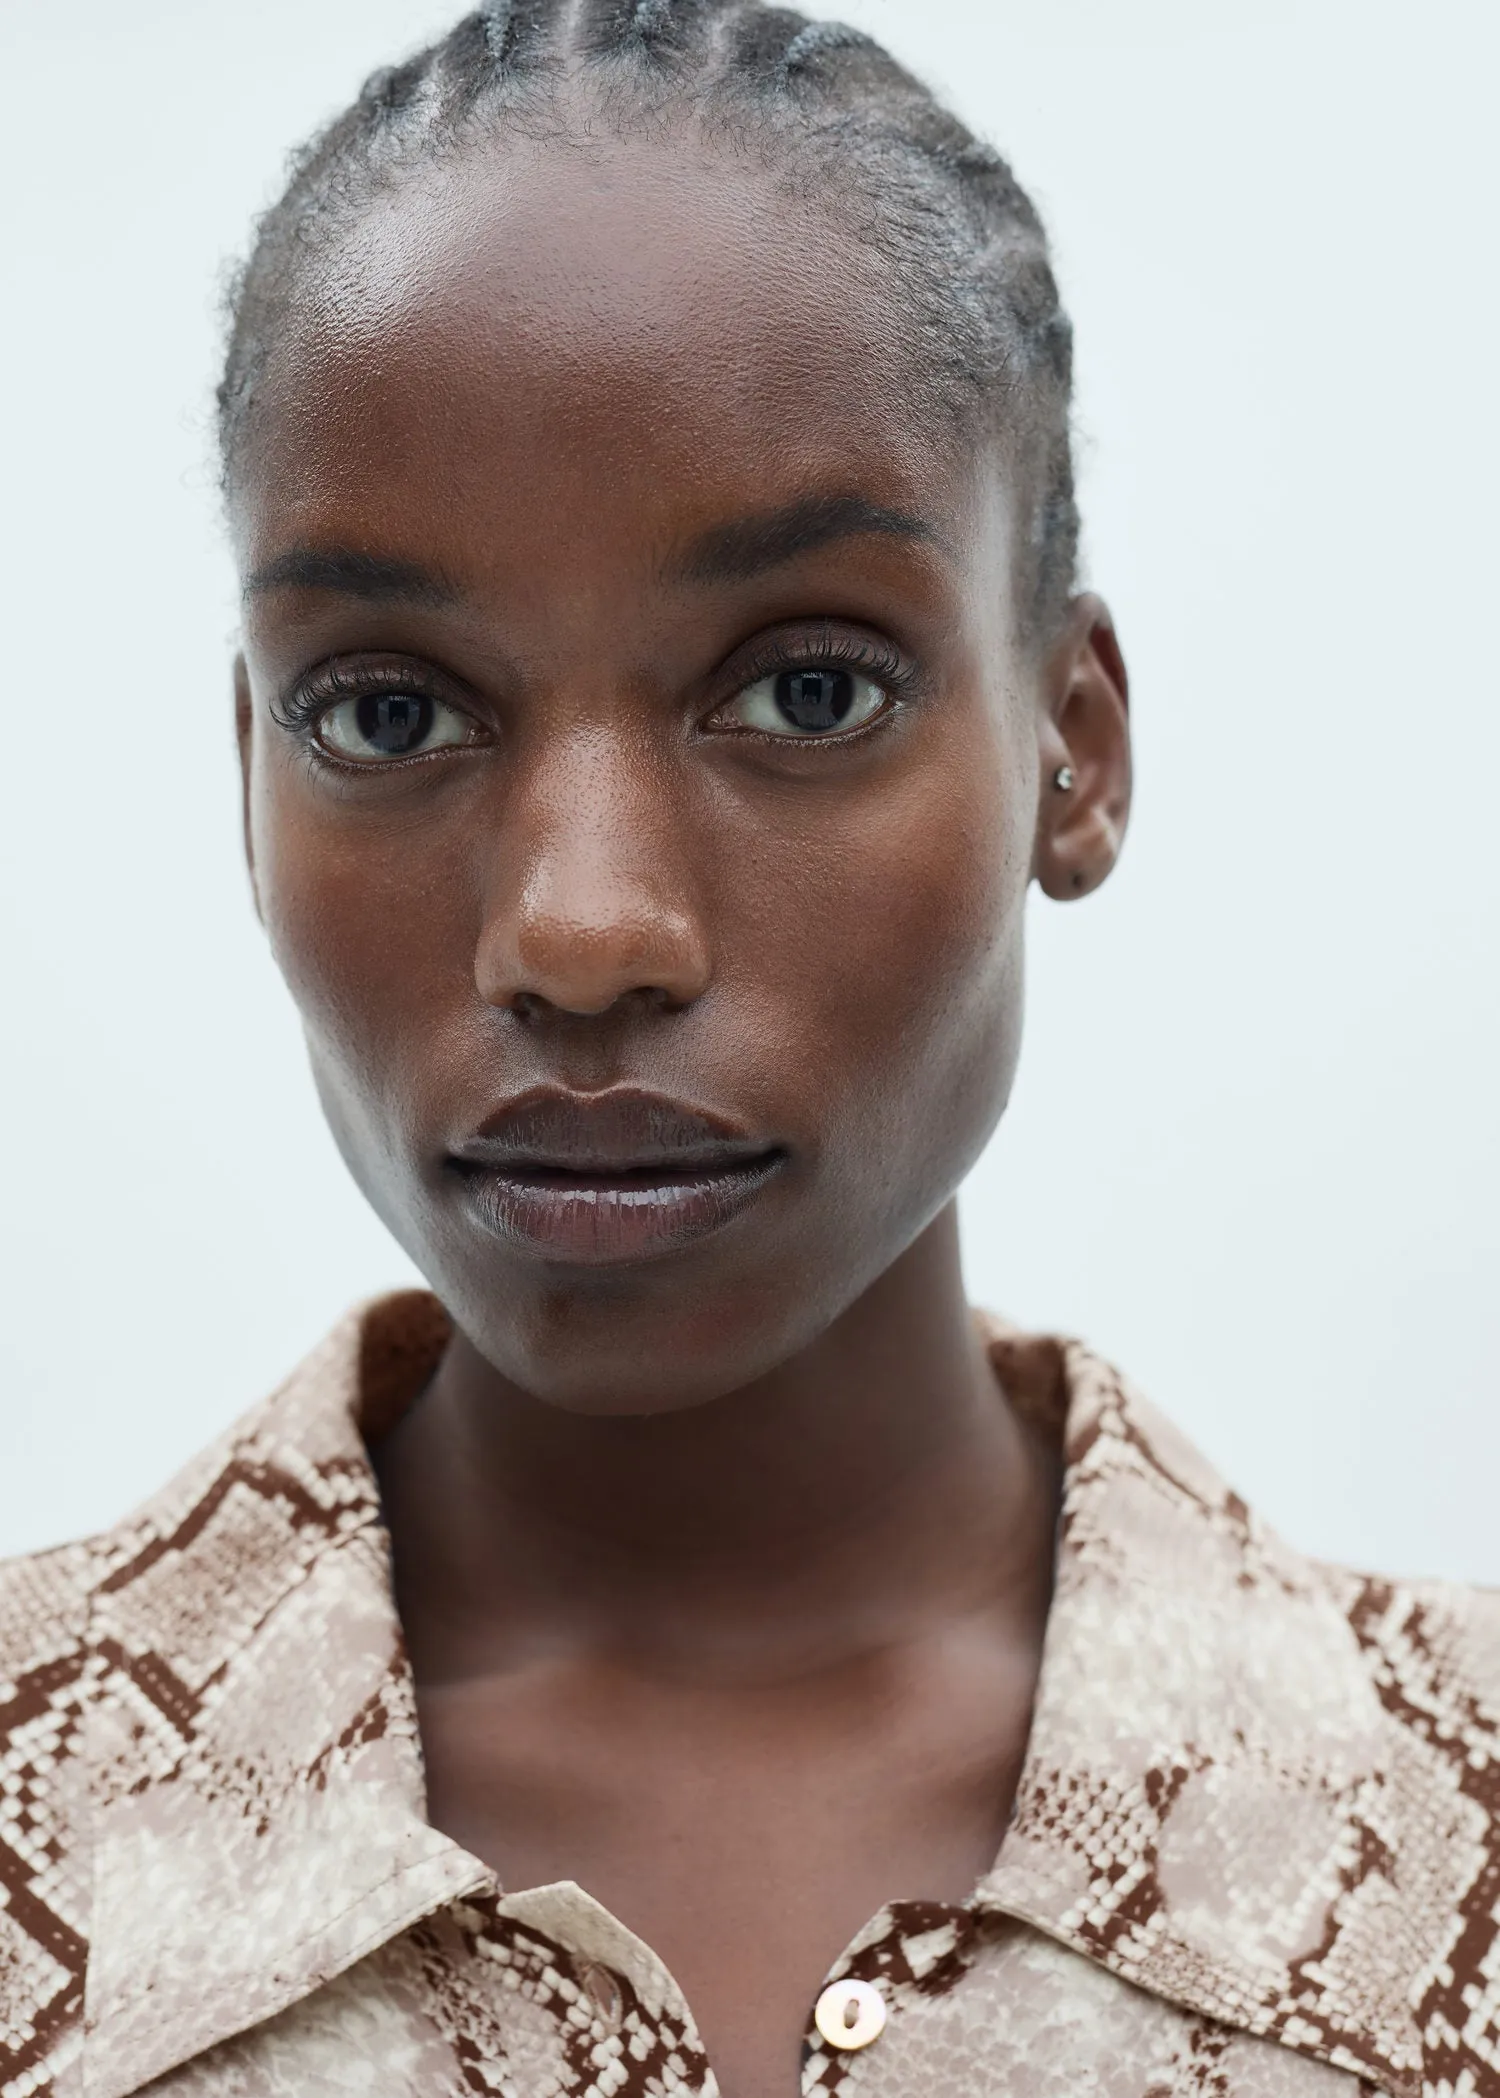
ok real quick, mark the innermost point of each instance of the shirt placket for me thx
(623, 2025)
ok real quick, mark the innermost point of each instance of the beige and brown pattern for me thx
(1255, 1853)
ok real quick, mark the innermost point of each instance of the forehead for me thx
(626, 335)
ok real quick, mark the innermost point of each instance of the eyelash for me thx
(878, 661)
(299, 711)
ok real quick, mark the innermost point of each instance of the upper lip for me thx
(615, 1132)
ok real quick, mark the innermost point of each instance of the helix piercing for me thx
(1062, 779)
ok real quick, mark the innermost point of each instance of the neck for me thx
(875, 1479)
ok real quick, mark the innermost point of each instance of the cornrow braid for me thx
(963, 239)
(820, 37)
(650, 18)
(497, 19)
(508, 26)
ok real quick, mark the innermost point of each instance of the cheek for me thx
(897, 969)
(369, 961)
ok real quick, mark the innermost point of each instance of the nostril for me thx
(533, 1006)
(536, 955)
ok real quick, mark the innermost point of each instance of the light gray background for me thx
(1255, 1147)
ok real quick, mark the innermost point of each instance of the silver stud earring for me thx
(1062, 779)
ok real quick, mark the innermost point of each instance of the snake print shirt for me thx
(1254, 1853)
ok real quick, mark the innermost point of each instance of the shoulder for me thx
(1308, 1757)
(43, 1603)
(44, 1880)
(45, 1607)
(109, 1648)
(1431, 1646)
(58, 1662)
(67, 1646)
(1427, 1868)
(1430, 1651)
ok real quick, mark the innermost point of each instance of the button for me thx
(850, 2014)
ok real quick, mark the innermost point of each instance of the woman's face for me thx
(643, 775)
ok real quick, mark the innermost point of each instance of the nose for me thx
(592, 898)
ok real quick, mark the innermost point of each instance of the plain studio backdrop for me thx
(1254, 1152)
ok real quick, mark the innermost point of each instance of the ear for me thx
(1084, 746)
(244, 719)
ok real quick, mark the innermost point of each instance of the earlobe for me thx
(244, 731)
(1085, 756)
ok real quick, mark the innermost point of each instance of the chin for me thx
(635, 1341)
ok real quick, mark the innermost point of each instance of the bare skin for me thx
(722, 1561)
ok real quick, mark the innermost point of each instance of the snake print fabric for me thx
(1255, 1852)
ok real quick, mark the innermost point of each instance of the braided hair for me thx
(826, 103)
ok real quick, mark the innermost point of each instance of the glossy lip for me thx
(603, 1178)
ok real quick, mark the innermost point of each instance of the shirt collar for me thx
(258, 1805)
(1213, 1804)
(1206, 1808)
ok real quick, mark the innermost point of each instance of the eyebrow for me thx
(747, 547)
(735, 552)
(376, 578)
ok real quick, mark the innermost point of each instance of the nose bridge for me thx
(591, 895)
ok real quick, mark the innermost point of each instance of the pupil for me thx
(393, 722)
(814, 698)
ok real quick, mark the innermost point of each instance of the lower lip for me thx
(597, 1223)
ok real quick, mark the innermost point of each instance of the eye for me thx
(808, 703)
(382, 725)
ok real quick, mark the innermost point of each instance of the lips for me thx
(600, 1178)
